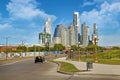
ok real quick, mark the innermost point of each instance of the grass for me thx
(106, 57)
(67, 67)
(107, 61)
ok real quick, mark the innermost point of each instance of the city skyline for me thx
(27, 19)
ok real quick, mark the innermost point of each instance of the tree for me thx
(47, 47)
(59, 47)
(91, 48)
(115, 48)
(21, 48)
(74, 47)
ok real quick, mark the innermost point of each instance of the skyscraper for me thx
(95, 33)
(85, 35)
(47, 28)
(60, 32)
(76, 24)
(58, 29)
(72, 36)
(44, 38)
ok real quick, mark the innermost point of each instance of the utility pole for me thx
(22, 47)
(6, 46)
(78, 51)
(95, 53)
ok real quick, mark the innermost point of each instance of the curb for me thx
(97, 74)
(9, 63)
(58, 69)
(82, 73)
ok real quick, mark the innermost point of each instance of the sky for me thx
(23, 20)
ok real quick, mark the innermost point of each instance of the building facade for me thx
(72, 35)
(44, 38)
(95, 33)
(56, 40)
(47, 27)
(60, 31)
(76, 24)
(85, 35)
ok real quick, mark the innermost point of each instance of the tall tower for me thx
(76, 24)
(72, 35)
(95, 33)
(85, 35)
(61, 33)
(47, 28)
(44, 38)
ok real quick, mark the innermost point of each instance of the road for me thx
(28, 70)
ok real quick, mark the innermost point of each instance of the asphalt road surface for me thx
(28, 70)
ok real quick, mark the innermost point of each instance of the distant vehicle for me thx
(39, 59)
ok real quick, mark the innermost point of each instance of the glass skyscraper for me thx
(95, 33)
(72, 35)
(85, 35)
(60, 32)
(44, 38)
(76, 24)
(47, 27)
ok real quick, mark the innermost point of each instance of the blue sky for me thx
(24, 19)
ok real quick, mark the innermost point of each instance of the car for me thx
(39, 59)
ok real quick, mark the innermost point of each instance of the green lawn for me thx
(107, 61)
(107, 57)
(67, 67)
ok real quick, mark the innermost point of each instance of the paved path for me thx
(28, 70)
(102, 69)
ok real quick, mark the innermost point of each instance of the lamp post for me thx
(48, 48)
(95, 53)
(78, 51)
(68, 53)
(22, 48)
(6, 47)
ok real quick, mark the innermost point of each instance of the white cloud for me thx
(107, 19)
(108, 14)
(97, 2)
(5, 26)
(26, 9)
(109, 40)
(88, 4)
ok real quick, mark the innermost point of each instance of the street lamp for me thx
(48, 48)
(6, 47)
(78, 51)
(68, 52)
(95, 53)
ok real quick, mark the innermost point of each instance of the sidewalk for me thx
(98, 69)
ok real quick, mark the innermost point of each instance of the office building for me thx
(72, 36)
(47, 28)
(44, 38)
(57, 40)
(60, 31)
(76, 24)
(85, 35)
(95, 33)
